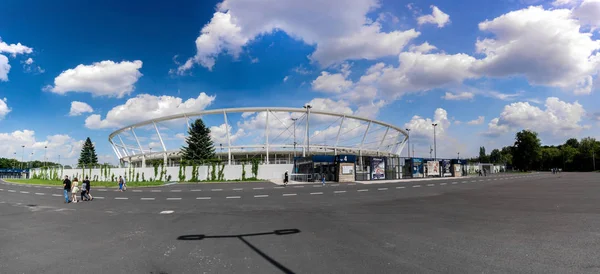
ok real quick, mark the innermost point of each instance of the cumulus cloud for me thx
(29, 67)
(544, 46)
(4, 68)
(285, 78)
(422, 48)
(558, 118)
(465, 95)
(421, 128)
(589, 13)
(559, 3)
(219, 135)
(4, 109)
(67, 147)
(337, 36)
(437, 17)
(14, 49)
(477, 121)
(327, 82)
(78, 108)
(144, 107)
(106, 78)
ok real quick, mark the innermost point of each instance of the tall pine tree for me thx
(88, 154)
(199, 145)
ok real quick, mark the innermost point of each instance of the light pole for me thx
(434, 142)
(45, 149)
(408, 138)
(294, 119)
(15, 153)
(22, 156)
(221, 146)
(307, 107)
(458, 155)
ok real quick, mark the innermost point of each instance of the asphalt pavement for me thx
(508, 223)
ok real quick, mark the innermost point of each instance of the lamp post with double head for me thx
(408, 139)
(434, 142)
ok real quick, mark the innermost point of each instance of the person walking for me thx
(323, 179)
(67, 189)
(285, 178)
(120, 183)
(75, 190)
(124, 184)
(84, 196)
(87, 188)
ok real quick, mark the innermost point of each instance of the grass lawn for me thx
(94, 184)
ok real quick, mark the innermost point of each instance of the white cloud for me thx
(324, 104)
(477, 121)
(285, 79)
(545, 46)
(559, 118)
(501, 96)
(4, 68)
(422, 128)
(144, 107)
(78, 108)
(588, 13)
(422, 48)
(331, 82)
(437, 17)
(247, 114)
(67, 147)
(337, 36)
(559, 3)
(14, 49)
(30, 68)
(465, 95)
(219, 135)
(4, 109)
(105, 78)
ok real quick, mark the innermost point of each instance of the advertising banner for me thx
(446, 168)
(433, 168)
(377, 169)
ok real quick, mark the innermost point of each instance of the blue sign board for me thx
(13, 170)
(345, 158)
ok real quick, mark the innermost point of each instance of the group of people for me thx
(556, 170)
(71, 190)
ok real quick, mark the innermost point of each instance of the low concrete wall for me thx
(232, 172)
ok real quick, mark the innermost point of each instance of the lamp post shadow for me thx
(280, 232)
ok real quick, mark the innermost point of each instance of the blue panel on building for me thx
(323, 158)
(13, 170)
(345, 159)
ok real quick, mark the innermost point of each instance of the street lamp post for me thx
(307, 107)
(458, 155)
(45, 149)
(22, 156)
(294, 119)
(221, 146)
(434, 142)
(408, 138)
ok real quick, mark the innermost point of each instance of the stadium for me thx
(274, 135)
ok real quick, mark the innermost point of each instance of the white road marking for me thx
(258, 188)
(98, 197)
(156, 190)
(236, 189)
(316, 193)
(56, 195)
(383, 188)
(454, 183)
(335, 185)
(352, 184)
(340, 191)
(47, 187)
(289, 194)
(362, 190)
(120, 198)
(136, 190)
(277, 187)
(101, 189)
(1, 189)
(260, 196)
(481, 180)
(10, 190)
(167, 212)
(495, 179)
(202, 198)
(176, 190)
(173, 199)
(400, 187)
(216, 189)
(147, 199)
(298, 186)
(37, 193)
(318, 186)
(233, 197)
(430, 185)
(443, 184)
(197, 190)
(417, 186)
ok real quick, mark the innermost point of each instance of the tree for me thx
(88, 156)
(199, 145)
(527, 150)
(496, 156)
(572, 143)
(507, 156)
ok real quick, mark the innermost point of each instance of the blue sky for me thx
(275, 55)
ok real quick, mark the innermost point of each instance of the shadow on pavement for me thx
(280, 232)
